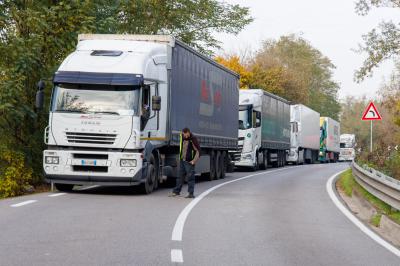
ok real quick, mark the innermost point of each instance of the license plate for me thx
(89, 162)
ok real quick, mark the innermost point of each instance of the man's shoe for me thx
(190, 196)
(173, 194)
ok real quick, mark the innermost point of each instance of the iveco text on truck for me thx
(304, 136)
(347, 147)
(329, 140)
(118, 106)
(264, 129)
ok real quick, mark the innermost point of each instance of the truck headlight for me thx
(52, 159)
(127, 163)
(248, 157)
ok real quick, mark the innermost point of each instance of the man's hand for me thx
(191, 162)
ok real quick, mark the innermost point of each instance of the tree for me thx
(192, 21)
(380, 43)
(233, 63)
(290, 67)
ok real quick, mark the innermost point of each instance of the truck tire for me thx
(256, 164)
(148, 185)
(64, 187)
(157, 178)
(280, 159)
(218, 165)
(211, 175)
(264, 165)
(224, 165)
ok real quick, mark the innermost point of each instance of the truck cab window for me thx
(145, 112)
(245, 119)
(256, 119)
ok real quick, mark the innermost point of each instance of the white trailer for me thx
(304, 136)
(347, 147)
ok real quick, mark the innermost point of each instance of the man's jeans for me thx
(185, 169)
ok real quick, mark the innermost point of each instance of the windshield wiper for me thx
(70, 111)
(106, 113)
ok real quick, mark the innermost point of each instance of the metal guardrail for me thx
(378, 184)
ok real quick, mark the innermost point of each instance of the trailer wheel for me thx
(64, 187)
(224, 163)
(211, 175)
(218, 164)
(280, 156)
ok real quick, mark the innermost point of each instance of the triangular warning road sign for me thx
(371, 113)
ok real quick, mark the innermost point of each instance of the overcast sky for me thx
(332, 26)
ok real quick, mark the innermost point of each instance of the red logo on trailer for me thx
(371, 113)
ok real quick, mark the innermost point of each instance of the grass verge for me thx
(348, 184)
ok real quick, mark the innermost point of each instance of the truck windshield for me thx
(101, 99)
(244, 117)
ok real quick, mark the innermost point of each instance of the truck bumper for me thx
(293, 156)
(346, 158)
(92, 167)
(245, 160)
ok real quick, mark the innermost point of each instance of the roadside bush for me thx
(14, 173)
(393, 166)
(387, 162)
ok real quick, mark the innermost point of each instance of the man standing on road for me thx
(189, 153)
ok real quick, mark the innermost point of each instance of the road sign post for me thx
(370, 148)
(371, 114)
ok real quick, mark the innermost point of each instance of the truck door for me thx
(149, 117)
(257, 128)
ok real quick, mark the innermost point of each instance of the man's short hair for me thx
(186, 130)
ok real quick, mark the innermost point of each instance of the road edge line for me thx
(374, 236)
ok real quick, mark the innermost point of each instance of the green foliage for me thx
(14, 174)
(376, 220)
(380, 43)
(192, 21)
(350, 186)
(293, 69)
(347, 182)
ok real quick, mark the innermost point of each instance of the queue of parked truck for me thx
(119, 103)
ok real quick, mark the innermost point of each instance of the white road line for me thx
(86, 188)
(57, 194)
(23, 203)
(180, 222)
(354, 220)
(176, 255)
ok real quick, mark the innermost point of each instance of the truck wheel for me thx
(224, 163)
(148, 185)
(64, 187)
(280, 159)
(157, 175)
(211, 175)
(256, 164)
(264, 165)
(218, 164)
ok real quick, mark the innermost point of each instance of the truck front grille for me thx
(237, 155)
(90, 138)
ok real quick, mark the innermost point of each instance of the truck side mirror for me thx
(156, 103)
(40, 95)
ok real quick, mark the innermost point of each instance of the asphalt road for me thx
(276, 217)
